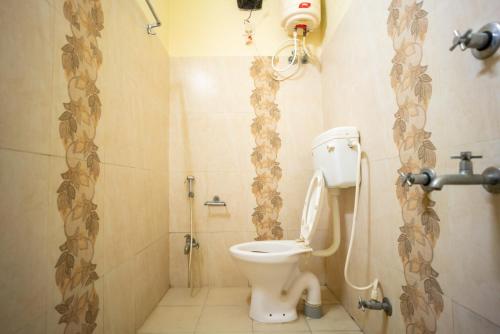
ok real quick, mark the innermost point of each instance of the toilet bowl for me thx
(271, 267)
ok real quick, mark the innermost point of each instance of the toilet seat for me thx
(270, 251)
(275, 251)
(312, 207)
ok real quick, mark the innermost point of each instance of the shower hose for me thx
(190, 258)
(374, 285)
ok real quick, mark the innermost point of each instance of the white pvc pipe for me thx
(335, 229)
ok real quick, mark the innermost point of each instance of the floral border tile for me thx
(421, 300)
(75, 271)
(265, 154)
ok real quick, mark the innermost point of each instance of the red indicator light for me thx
(305, 5)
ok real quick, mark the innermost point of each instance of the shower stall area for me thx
(143, 140)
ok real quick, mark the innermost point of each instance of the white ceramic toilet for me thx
(272, 266)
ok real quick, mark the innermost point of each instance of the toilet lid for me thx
(312, 206)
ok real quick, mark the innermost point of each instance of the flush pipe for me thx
(335, 229)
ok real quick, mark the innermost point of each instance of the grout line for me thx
(201, 312)
(29, 152)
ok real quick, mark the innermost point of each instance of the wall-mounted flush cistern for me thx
(429, 180)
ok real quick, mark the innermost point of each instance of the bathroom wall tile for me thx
(385, 214)
(241, 136)
(200, 83)
(221, 268)
(35, 326)
(141, 195)
(172, 319)
(24, 212)
(197, 141)
(327, 297)
(223, 319)
(26, 85)
(149, 284)
(120, 214)
(297, 131)
(238, 296)
(153, 137)
(184, 297)
(466, 321)
(122, 117)
(162, 264)
(119, 299)
(159, 184)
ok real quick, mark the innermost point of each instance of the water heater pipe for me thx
(335, 229)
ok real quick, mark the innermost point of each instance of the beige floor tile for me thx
(228, 296)
(298, 325)
(223, 319)
(171, 319)
(183, 297)
(334, 318)
(327, 297)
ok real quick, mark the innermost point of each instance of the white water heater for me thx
(305, 14)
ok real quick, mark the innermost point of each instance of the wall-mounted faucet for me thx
(429, 180)
(483, 43)
(187, 245)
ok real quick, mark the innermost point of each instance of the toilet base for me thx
(271, 307)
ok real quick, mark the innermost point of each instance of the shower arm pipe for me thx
(336, 227)
(150, 26)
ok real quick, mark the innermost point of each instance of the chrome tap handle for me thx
(405, 179)
(467, 155)
(361, 305)
(461, 40)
